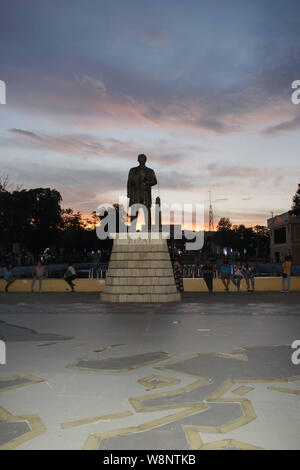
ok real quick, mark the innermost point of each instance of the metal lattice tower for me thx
(211, 215)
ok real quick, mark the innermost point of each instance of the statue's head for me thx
(142, 159)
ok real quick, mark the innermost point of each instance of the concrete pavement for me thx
(214, 371)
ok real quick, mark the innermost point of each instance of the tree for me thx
(262, 230)
(30, 217)
(248, 241)
(224, 236)
(4, 183)
(78, 233)
(296, 203)
(224, 224)
(90, 223)
(71, 221)
(244, 237)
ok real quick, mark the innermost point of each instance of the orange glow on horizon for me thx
(186, 226)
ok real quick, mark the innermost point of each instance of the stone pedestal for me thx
(140, 270)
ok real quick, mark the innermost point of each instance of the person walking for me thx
(178, 275)
(208, 275)
(38, 274)
(70, 275)
(9, 276)
(286, 273)
(225, 272)
(249, 275)
(237, 275)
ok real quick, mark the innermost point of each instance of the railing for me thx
(56, 271)
(98, 271)
(194, 271)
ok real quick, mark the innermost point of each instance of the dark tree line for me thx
(31, 217)
(35, 219)
(248, 241)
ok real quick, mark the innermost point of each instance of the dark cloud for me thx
(152, 113)
(114, 94)
(84, 145)
(228, 171)
(80, 188)
(290, 125)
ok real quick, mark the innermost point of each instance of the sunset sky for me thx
(203, 88)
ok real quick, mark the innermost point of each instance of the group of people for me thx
(39, 273)
(227, 274)
(234, 274)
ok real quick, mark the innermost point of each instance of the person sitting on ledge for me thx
(70, 275)
(225, 271)
(249, 274)
(237, 275)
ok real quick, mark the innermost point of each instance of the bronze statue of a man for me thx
(140, 181)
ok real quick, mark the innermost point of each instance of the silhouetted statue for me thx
(140, 181)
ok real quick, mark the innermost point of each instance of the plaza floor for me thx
(212, 372)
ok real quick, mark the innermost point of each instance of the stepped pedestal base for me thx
(140, 270)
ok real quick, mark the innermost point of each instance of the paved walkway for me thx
(236, 298)
(210, 372)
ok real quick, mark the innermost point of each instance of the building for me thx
(284, 237)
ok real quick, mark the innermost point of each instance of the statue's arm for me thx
(129, 183)
(152, 180)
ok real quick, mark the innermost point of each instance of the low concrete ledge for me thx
(261, 284)
(190, 285)
(55, 285)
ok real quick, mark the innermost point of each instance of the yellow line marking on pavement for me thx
(93, 440)
(96, 419)
(34, 421)
(191, 431)
(196, 443)
(108, 347)
(166, 381)
(137, 402)
(284, 390)
(242, 390)
(31, 380)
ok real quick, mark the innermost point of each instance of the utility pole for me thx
(211, 215)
